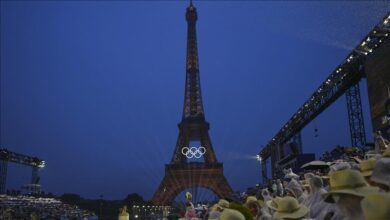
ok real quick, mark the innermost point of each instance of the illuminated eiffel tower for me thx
(179, 173)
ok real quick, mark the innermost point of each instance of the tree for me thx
(133, 198)
(71, 198)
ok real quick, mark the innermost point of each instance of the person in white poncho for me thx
(315, 202)
(294, 189)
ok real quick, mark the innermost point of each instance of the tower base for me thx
(179, 177)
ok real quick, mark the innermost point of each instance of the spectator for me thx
(348, 188)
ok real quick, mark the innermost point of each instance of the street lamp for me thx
(101, 206)
(258, 158)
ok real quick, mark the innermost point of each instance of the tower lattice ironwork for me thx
(180, 174)
(355, 116)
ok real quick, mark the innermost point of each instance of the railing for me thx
(194, 165)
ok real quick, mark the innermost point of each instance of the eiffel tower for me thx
(179, 173)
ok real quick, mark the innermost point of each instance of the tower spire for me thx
(193, 105)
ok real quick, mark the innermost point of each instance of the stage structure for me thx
(180, 174)
(344, 79)
(378, 80)
(36, 164)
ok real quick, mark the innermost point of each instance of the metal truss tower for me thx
(9, 156)
(3, 175)
(355, 116)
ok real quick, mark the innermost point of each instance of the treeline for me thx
(105, 209)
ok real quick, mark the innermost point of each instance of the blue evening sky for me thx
(95, 88)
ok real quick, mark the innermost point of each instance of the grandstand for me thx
(28, 207)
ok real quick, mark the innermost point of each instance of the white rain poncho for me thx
(318, 208)
(295, 188)
(266, 215)
(266, 195)
(314, 200)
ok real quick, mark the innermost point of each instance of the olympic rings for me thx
(191, 152)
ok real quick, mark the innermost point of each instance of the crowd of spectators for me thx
(342, 153)
(354, 186)
(26, 207)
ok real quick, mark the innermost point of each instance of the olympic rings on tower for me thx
(191, 152)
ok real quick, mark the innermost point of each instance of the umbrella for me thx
(314, 165)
